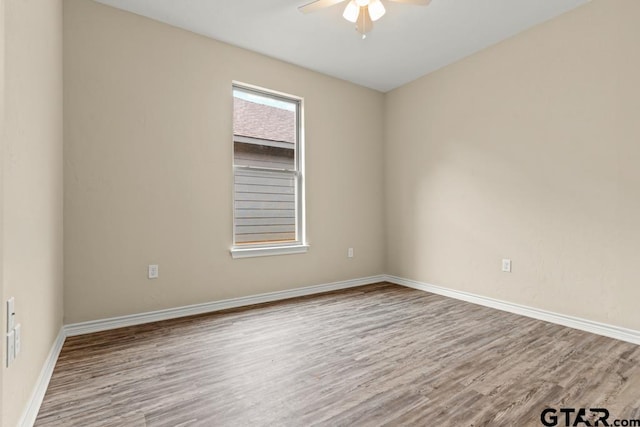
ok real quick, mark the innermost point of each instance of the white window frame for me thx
(268, 249)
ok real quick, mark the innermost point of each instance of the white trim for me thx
(35, 401)
(268, 251)
(301, 232)
(611, 331)
(31, 411)
(264, 91)
(172, 313)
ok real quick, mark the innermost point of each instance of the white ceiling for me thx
(406, 43)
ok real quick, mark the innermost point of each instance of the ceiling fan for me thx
(360, 12)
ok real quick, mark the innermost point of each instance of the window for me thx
(268, 165)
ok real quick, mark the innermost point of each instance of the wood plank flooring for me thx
(369, 356)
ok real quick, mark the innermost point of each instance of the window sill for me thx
(268, 251)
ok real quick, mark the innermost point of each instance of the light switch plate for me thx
(11, 314)
(506, 265)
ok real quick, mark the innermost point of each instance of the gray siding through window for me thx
(264, 207)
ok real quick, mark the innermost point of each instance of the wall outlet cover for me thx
(153, 271)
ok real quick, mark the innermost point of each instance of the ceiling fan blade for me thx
(364, 23)
(317, 5)
(416, 2)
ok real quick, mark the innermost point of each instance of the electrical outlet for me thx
(11, 314)
(506, 265)
(350, 253)
(11, 349)
(153, 271)
(17, 339)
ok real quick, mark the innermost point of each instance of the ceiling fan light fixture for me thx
(351, 12)
(376, 10)
(360, 12)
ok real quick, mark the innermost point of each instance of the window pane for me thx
(264, 130)
(264, 206)
(266, 164)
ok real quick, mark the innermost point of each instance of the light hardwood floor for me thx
(375, 355)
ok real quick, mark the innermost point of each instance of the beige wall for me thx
(32, 187)
(148, 175)
(528, 150)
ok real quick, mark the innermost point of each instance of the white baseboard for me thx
(623, 334)
(190, 310)
(31, 412)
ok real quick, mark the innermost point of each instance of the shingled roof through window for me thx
(260, 121)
